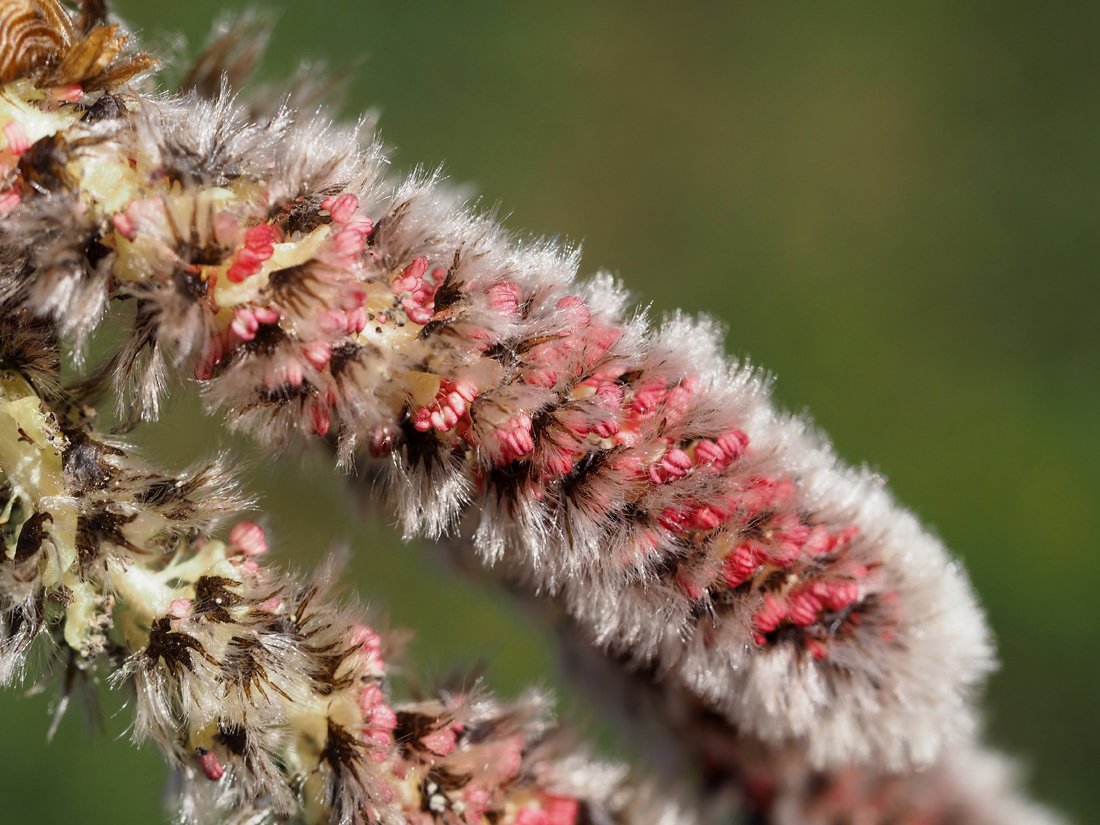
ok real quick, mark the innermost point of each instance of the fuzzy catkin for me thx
(626, 468)
(680, 736)
(265, 693)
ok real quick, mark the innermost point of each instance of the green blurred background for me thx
(892, 207)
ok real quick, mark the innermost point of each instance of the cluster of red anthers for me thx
(557, 407)
(266, 694)
(590, 406)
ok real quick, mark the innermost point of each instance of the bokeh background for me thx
(893, 207)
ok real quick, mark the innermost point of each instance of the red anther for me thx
(410, 276)
(341, 207)
(319, 418)
(648, 397)
(607, 429)
(419, 291)
(765, 494)
(609, 395)
(733, 444)
(266, 315)
(819, 541)
(179, 608)
(444, 418)
(262, 238)
(417, 314)
(532, 816)
(440, 742)
(804, 606)
(245, 266)
(708, 452)
(382, 440)
(369, 698)
(504, 298)
(356, 320)
(124, 224)
(451, 402)
(16, 136)
(789, 535)
(382, 717)
(841, 594)
(689, 588)
(541, 377)
(465, 389)
(247, 259)
(366, 639)
(349, 244)
(9, 200)
(816, 649)
(561, 810)
(741, 564)
(674, 520)
(248, 537)
(334, 321)
(67, 94)
(292, 373)
(245, 324)
(708, 517)
(679, 397)
(845, 537)
(361, 225)
(723, 451)
(768, 617)
(557, 459)
(259, 246)
(576, 312)
(211, 765)
(516, 439)
(477, 801)
(599, 341)
(422, 419)
(317, 354)
(673, 464)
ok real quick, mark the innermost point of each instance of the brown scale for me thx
(86, 462)
(233, 737)
(102, 527)
(326, 660)
(174, 648)
(412, 726)
(243, 665)
(43, 165)
(39, 38)
(28, 345)
(31, 536)
(344, 750)
(214, 596)
(296, 288)
(32, 34)
(301, 215)
(450, 292)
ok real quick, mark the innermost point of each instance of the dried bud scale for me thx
(267, 697)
